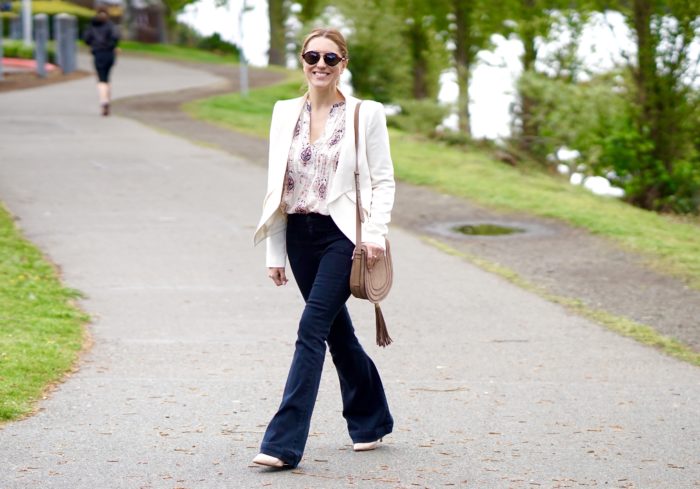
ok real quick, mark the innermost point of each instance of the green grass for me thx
(178, 53)
(671, 245)
(41, 331)
(621, 325)
(250, 115)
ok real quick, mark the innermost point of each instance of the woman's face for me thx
(321, 75)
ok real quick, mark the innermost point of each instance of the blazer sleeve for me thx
(275, 243)
(276, 250)
(381, 172)
(274, 131)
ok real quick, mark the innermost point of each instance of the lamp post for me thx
(243, 70)
(27, 22)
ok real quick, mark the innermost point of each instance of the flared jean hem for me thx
(374, 435)
(289, 458)
(286, 456)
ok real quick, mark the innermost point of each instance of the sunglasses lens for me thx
(331, 59)
(311, 57)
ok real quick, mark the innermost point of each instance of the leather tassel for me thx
(383, 338)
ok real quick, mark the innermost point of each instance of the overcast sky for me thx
(208, 19)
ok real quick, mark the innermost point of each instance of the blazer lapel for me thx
(281, 141)
(344, 179)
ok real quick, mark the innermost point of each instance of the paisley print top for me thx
(311, 166)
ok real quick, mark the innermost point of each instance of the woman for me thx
(102, 36)
(309, 215)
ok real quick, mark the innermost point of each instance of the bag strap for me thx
(383, 338)
(358, 199)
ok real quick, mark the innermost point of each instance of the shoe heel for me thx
(366, 447)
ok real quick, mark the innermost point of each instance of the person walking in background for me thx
(103, 37)
(309, 216)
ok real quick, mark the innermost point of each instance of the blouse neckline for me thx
(334, 106)
(326, 129)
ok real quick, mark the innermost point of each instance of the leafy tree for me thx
(310, 9)
(638, 125)
(664, 107)
(474, 22)
(566, 31)
(421, 20)
(379, 61)
(395, 50)
(280, 35)
(589, 117)
(466, 26)
(532, 21)
(171, 10)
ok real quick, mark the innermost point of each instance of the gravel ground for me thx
(20, 80)
(565, 261)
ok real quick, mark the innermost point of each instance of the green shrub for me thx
(17, 49)
(600, 120)
(215, 44)
(184, 35)
(419, 116)
(13, 48)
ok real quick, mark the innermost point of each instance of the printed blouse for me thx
(311, 166)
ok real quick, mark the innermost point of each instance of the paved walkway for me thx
(491, 387)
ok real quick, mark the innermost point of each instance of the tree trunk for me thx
(651, 101)
(418, 40)
(646, 68)
(655, 92)
(463, 45)
(530, 131)
(463, 78)
(277, 16)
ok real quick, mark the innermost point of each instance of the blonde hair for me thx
(331, 34)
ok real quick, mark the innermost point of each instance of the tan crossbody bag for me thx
(372, 285)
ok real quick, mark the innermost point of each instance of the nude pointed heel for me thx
(365, 447)
(268, 461)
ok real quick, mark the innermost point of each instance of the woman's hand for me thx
(374, 253)
(277, 275)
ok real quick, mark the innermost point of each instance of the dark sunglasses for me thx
(313, 57)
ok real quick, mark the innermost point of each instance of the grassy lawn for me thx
(41, 331)
(249, 115)
(671, 244)
(179, 53)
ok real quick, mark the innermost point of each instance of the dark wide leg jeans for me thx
(320, 256)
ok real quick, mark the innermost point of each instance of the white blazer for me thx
(376, 177)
